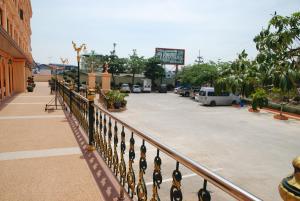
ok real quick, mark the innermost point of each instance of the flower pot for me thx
(117, 105)
(280, 117)
(253, 110)
(30, 89)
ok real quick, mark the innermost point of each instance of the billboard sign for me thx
(170, 56)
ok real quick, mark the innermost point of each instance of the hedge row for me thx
(276, 106)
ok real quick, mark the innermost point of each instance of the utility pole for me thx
(199, 59)
(114, 50)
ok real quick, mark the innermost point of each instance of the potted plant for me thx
(119, 98)
(123, 103)
(259, 100)
(29, 88)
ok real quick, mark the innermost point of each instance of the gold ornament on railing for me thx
(141, 188)
(104, 140)
(289, 188)
(96, 133)
(100, 136)
(115, 157)
(175, 192)
(157, 178)
(109, 150)
(130, 174)
(122, 165)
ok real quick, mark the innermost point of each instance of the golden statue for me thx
(78, 49)
(64, 61)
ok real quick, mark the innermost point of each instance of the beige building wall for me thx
(15, 46)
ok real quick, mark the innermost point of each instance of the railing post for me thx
(71, 100)
(91, 120)
(62, 88)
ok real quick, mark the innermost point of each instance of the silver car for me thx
(136, 89)
(125, 88)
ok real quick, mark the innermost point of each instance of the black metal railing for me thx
(78, 105)
(103, 99)
(107, 134)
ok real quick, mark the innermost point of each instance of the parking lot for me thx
(252, 150)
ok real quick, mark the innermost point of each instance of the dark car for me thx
(185, 91)
(162, 88)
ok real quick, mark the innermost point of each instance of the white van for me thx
(146, 85)
(207, 96)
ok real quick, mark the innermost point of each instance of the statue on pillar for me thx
(105, 67)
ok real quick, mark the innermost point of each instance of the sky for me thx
(220, 29)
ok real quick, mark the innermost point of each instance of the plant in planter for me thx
(119, 98)
(123, 103)
(259, 100)
(29, 88)
(115, 99)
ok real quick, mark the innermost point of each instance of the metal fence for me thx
(107, 132)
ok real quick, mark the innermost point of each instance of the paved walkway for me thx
(40, 158)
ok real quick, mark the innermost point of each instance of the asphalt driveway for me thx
(252, 150)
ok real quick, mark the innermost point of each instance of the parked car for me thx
(125, 88)
(207, 96)
(194, 91)
(136, 89)
(177, 89)
(184, 91)
(163, 88)
(146, 85)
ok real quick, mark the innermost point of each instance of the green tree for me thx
(199, 74)
(116, 66)
(241, 76)
(92, 61)
(135, 64)
(279, 52)
(154, 69)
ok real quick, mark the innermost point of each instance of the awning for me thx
(8, 45)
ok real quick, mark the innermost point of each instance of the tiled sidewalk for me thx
(40, 158)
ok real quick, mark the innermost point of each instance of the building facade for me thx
(15, 46)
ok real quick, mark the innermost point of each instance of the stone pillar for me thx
(7, 91)
(19, 75)
(91, 80)
(289, 188)
(2, 77)
(106, 82)
(4, 18)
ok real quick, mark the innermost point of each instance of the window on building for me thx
(7, 25)
(1, 17)
(21, 14)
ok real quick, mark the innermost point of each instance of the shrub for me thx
(29, 88)
(115, 99)
(259, 99)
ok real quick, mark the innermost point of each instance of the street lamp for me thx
(78, 50)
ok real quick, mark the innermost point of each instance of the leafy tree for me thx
(92, 61)
(241, 76)
(136, 65)
(154, 69)
(279, 52)
(116, 66)
(199, 74)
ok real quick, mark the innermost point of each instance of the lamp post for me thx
(78, 50)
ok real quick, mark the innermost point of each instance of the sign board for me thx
(170, 56)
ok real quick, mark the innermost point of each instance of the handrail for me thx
(80, 96)
(225, 185)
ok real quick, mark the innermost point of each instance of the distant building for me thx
(170, 74)
(15, 46)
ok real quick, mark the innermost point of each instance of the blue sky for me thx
(219, 28)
